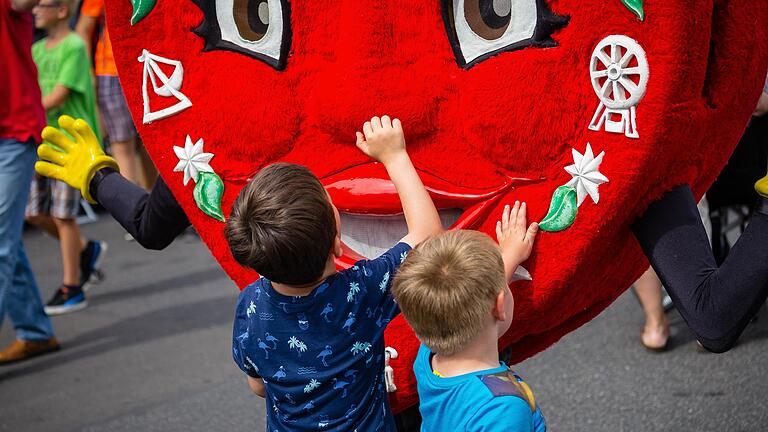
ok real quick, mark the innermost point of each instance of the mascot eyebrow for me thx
(476, 29)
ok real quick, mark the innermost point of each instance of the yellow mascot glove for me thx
(762, 187)
(73, 162)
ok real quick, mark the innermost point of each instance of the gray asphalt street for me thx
(152, 353)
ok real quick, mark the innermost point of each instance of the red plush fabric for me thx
(516, 114)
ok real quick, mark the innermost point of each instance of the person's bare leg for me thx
(71, 246)
(148, 173)
(656, 330)
(44, 223)
(125, 154)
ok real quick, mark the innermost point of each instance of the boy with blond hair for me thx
(300, 333)
(453, 291)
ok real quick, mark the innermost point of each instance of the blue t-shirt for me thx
(483, 401)
(322, 355)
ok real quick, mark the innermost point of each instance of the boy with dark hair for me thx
(300, 332)
(453, 290)
(67, 87)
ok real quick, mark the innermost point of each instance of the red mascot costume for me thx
(588, 110)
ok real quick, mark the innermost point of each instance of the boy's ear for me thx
(337, 251)
(499, 311)
(64, 12)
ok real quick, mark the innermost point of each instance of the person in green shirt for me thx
(66, 83)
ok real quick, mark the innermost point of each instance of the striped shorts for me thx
(114, 109)
(50, 197)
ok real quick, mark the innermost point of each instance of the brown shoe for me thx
(21, 350)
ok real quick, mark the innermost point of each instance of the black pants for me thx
(717, 303)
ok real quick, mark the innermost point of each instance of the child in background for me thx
(453, 291)
(301, 333)
(67, 88)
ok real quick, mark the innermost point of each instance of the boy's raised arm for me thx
(383, 140)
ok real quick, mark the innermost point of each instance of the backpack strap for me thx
(508, 383)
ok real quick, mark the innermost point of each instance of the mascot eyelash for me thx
(479, 29)
(260, 29)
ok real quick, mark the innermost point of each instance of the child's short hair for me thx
(282, 225)
(447, 286)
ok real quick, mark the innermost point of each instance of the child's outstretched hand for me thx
(382, 139)
(515, 239)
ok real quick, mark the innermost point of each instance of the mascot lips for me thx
(371, 213)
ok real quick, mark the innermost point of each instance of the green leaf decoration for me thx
(141, 8)
(208, 192)
(562, 210)
(636, 6)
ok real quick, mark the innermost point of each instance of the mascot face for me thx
(501, 100)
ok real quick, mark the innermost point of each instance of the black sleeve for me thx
(153, 219)
(717, 303)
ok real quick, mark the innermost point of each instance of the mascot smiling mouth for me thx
(371, 213)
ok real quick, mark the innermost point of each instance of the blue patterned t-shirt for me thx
(322, 355)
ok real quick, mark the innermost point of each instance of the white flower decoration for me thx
(192, 159)
(586, 174)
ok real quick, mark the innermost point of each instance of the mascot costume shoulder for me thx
(588, 110)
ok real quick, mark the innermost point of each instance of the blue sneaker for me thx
(90, 263)
(67, 299)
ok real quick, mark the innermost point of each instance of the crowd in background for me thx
(64, 67)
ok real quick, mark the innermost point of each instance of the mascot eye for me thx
(257, 28)
(479, 29)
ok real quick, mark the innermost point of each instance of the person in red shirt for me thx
(21, 120)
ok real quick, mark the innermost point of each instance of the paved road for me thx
(152, 353)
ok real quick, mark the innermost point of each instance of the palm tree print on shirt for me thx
(299, 346)
(384, 282)
(354, 288)
(311, 385)
(360, 348)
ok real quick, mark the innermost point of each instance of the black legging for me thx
(717, 303)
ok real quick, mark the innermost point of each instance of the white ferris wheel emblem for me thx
(619, 73)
